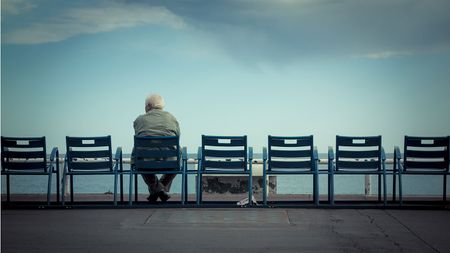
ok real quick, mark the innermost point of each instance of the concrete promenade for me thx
(225, 230)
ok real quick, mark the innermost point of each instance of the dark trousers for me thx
(156, 185)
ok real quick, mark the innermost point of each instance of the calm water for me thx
(414, 185)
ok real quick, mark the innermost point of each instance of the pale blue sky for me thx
(280, 67)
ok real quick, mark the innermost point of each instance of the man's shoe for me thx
(163, 196)
(153, 197)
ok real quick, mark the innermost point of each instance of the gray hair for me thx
(155, 101)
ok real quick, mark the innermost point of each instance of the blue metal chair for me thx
(357, 156)
(224, 155)
(422, 156)
(158, 155)
(294, 155)
(28, 156)
(90, 156)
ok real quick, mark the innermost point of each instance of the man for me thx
(157, 122)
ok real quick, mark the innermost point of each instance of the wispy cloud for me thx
(386, 54)
(16, 7)
(89, 20)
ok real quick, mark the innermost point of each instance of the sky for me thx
(235, 67)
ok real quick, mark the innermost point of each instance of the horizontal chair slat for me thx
(24, 165)
(357, 165)
(223, 142)
(288, 142)
(155, 153)
(358, 154)
(426, 141)
(224, 153)
(290, 153)
(426, 154)
(225, 164)
(358, 141)
(23, 143)
(153, 165)
(425, 165)
(28, 154)
(149, 142)
(94, 165)
(285, 165)
(88, 141)
(90, 154)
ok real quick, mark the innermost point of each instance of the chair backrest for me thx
(89, 153)
(426, 153)
(293, 153)
(156, 153)
(23, 153)
(358, 153)
(224, 153)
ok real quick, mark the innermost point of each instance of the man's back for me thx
(156, 123)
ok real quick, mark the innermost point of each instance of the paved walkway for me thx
(225, 230)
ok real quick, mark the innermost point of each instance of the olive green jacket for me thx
(156, 123)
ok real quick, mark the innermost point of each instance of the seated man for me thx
(157, 122)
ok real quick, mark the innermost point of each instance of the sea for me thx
(292, 184)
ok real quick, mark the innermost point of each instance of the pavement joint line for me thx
(412, 232)
(382, 230)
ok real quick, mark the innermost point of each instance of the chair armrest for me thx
(54, 155)
(315, 154)
(383, 154)
(330, 154)
(118, 155)
(54, 158)
(264, 154)
(199, 154)
(118, 159)
(330, 159)
(397, 154)
(250, 153)
(184, 154)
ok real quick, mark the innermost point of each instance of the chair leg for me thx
(400, 190)
(8, 189)
(394, 186)
(71, 189)
(444, 197)
(199, 188)
(130, 192)
(331, 189)
(316, 188)
(58, 185)
(250, 189)
(49, 186)
(264, 187)
(63, 190)
(136, 187)
(379, 187)
(115, 188)
(183, 188)
(121, 186)
(384, 190)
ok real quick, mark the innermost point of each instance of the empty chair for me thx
(28, 156)
(422, 156)
(357, 156)
(90, 156)
(157, 155)
(224, 155)
(294, 155)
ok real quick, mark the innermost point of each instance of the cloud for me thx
(16, 7)
(286, 30)
(89, 20)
